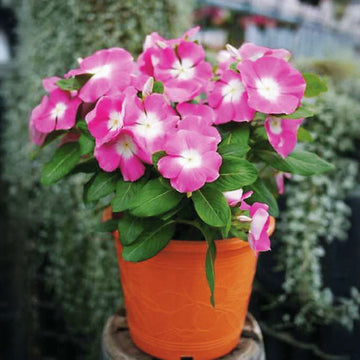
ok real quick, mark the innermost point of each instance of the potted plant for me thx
(188, 151)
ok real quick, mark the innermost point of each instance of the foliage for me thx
(316, 212)
(81, 267)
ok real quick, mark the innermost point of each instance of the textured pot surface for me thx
(168, 300)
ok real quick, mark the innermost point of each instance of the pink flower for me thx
(191, 161)
(111, 114)
(49, 84)
(199, 125)
(248, 51)
(121, 152)
(184, 71)
(260, 220)
(37, 137)
(153, 44)
(279, 178)
(198, 118)
(111, 73)
(205, 112)
(55, 112)
(229, 99)
(282, 133)
(154, 121)
(273, 85)
(234, 197)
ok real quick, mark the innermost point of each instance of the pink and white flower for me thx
(199, 125)
(112, 114)
(230, 100)
(191, 161)
(36, 136)
(183, 70)
(235, 197)
(49, 84)
(121, 152)
(198, 118)
(154, 122)
(248, 51)
(204, 111)
(273, 85)
(282, 133)
(111, 73)
(55, 112)
(153, 44)
(260, 221)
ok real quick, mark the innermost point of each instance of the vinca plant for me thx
(181, 148)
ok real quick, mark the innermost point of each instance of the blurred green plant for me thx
(81, 267)
(316, 212)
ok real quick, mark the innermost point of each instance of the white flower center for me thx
(101, 71)
(232, 91)
(149, 126)
(126, 147)
(183, 70)
(275, 125)
(190, 159)
(268, 88)
(116, 120)
(59, 110)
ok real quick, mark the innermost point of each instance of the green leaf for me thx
(232, 151)
(158, 87)
(68, 84)
(314, 85)
(259, 134)
(87, 167)
(130, 228)
(235, 173)
(155, 199)
(63, 161)
(82, 125)
(106, 226)
(233, 66)
(211, 206)
(87, 144)
(210, 266)
(298, 162)
(126, 193)
(303, 135)
(150, 242)
(300, 112)
(73, 83)
(262, 194)
(157, 156)
(238, 134)
(100, 185)
(260, 116)
(53, 136)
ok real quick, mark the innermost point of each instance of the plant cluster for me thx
(179, 142)
(317, 213)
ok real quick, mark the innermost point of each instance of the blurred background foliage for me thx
(316, 211)
(71, 274)
(49, 228)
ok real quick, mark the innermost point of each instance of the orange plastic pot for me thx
(167, 299)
